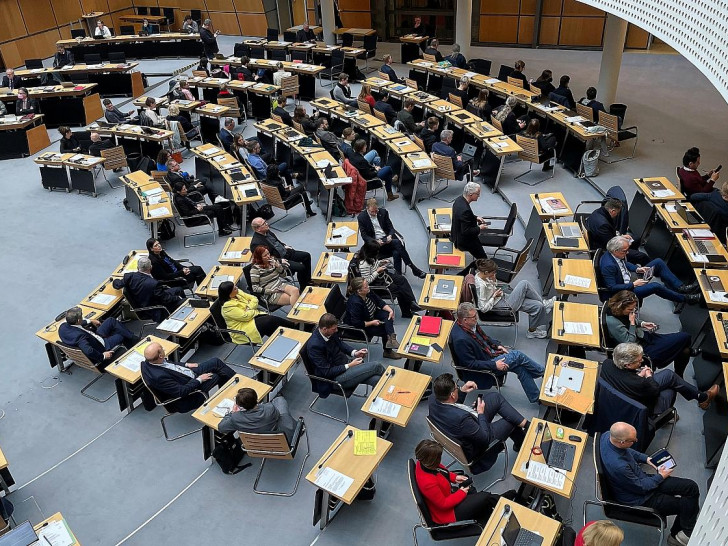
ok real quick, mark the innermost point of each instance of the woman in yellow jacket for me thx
(240, 311)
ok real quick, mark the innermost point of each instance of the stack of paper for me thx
(333, 481)
(343, 231)
(578, 328)
(581, 282)
(133, 361)
(233, 255)
(337, 265)
(217, 280)
(171, 325)
(380, 406)
(55, 533)
(103, 299)
(161, 211)
(224, 407)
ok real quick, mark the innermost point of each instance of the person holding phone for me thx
(268, 279)
(366, 310)
(691, 181)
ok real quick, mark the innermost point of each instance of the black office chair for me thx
(504, 72)
(271, 35)
(220, 328)
(277, 54)
(78, 33)
(257, 53)
(262, 301)
(510, 261)
(335, 304)
(168, 16)
(126, 30)
(117, 57)
(347, 39)
(155, 11)
(642, 216)
(32, 64)
(370, 45)
(498, 236)
(481, 66)
(154, 29)
(289, 36)
(299, 56)
(161, 400)
(501, 317)
(92, 58)
(241, 50)
(142, 10)
(336, 68)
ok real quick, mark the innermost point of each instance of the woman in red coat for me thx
(435, 483)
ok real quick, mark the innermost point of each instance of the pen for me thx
(48, 541)
(404, 392)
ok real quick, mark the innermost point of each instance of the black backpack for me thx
(228, 453)
(166, 230)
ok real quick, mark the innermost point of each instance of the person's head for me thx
(482, 96)
(188, 17)
(359, 286)
(299, 113)
(253, 147)
(100, 23)
(74, 316)
(10, 73)
(487, 268)
(184, 84)
(445, 388)
(153, 245)
(471, 191)
(279, 67)
(259, 226)
(173, 110)
(366, 90)
(246, 398)
(418, 21)
(622, 303)
(409, 104)
(446, 136)
(328, 324)
(261, 255)
(272, 172)
(564, 81)
(180, 188)
(95, 137)
(173, 166)
(618, 246)
(622, 435)
(245, 60)
(344, 78)
(613, 206)
(467, 315)
(306, 26)
(322, 123)
(546, 76)
(534, 127)
(229, 124)
(162, 157)
(519, 66)
(150, 102)
(22, 93)
(154, 353)
(691, 159)
(464, 82)
(360, 146)
(146, 22)
(65, 131)
(433, 122)
(591, 93)
(455, 49)
(724, 192)
(204, 61)
(628, 356)
(369, 252)
(511, 102)
(387, 59)
(429, 453)
(434, 43)
(602, 533)
(207, 23)
(372, 206)
(238, 140)
(144, 264)
(108, 104)
(226, 291)
(348, 134)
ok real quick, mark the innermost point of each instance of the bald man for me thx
(98, 144)
(634, 487)
(182, 380)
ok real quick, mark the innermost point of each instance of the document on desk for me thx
(153, 192)
(670, 208)
(541, 473)
(333, 481)
(422, 163)
(323, 163)
(56, 533)
(380, 406)
(337, 265)
(103, 299)
(579, 328)
(718, 297)
(132, 362)
(161, 211)
(343, 231)
(156, 199)
(224, 407)
(212, 151)
(698, 258)
(233, 255)
(171, 325)
(217, 280)
(307, 306)
(574, 280)
(575, 119)
(491, 81)
(663, 193)
(365, 442)
(339, 180)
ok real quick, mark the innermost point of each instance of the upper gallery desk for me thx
(73, 106)
(173, 44)
(119, 80)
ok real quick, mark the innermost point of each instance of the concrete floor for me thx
(113, 476)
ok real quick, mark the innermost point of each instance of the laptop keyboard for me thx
(692, 218)
(702, 247)
(526, 538)
(557, 455)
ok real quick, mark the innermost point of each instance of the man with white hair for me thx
(457, 59)
(298, 261)
(466, 227)
(443, 148)
(146, 291)
(617, 274)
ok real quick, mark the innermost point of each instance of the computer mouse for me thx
(575, 438)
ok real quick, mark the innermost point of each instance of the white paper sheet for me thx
(217, 280)
(698, 258)
(541, 473)
(337, 265)
(663, 193)
(55, 534)
(132, 362)
(343, 231)
(384, 408)
(224, 407)
(333, 481)
(171, 325)
(573, 280)
(579, 328)
(234, 255)
(719, 297)
(103, 299)
(161, 211)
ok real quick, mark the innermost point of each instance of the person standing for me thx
(209, 39)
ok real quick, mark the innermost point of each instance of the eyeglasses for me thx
(471, 317)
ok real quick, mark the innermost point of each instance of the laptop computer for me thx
(688, 216)
(515, 535)
(468, 152)
(20, 535)
(182, 314)
(570, 231)
(557, 454)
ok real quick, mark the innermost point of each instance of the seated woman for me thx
(166, 268)
(600, 533)
(150, 113)
(546, 142)
(480, 105)
(69, 143)
(240, 311)
(162, 158)
(506, 115)
(307, 122)
(183, 91)
(366, 95)
(187, 126)
(523, 297)
(543, 82)
(346, 142)
(461, 91)
(624, 325)
(382, 273)
(288, 189)
(435, 483)
(267, 277)
(366, 310)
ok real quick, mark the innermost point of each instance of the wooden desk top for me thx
(206, 151)
(319, 272)
(436, 229)
(552, 230)
(718, 329)
(428, 300)
(205, 413)
(406, 381)
(696, 259)
(314, 296)
(193, 322)
(326, 49)
(156, 212)
(132, 376)
(52, 158)
(186, 105)
(49, 333)
(674, 221)
(404, 145)
(83, 162)
(575, 401)
(212, 110)
(238, 193)
(341, 242)
(462, 117)
(48, 91)
(576, 312)
(358, 467)
(544, 204)
(650, 188)
(561, 116)
(135, 131)
(713, 281)
(3, 460)
(20, 123)
(366, 121)
(204, 291)
(107, 289)
(132, 259)
(378, 83)
(442, 106)
(577, 268)
(386, 132)
(528, 519)
(409, 161)
(355, 31)
(233, 245)
(159, 102)
(432, 256)
(519, 472)
(78, 68)
(315, 29)
(412, 39)
(400, 91)
(482, 130)
(324, 104)
(298, 335)
(725, 373)
(57, 517)
(165, 36)
(269, 126)
(441, 340)
(505, 88)
(503, 145)
(353, 51)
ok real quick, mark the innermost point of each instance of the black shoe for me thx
(414, 308)
(417, 272)
(311, 214)
(692, 299)
(225, 231)
(689, 288)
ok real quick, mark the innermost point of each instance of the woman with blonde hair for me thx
(600, 533)
(366, 95)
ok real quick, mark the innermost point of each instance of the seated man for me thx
(281, 111)
(657, 391)
(305, 34)
(432, 50)
(477, 351)
(175, 174)
(10, 80)
(298, 262)
(257, 161)
(388, 70)
(466, 227)
(456, 58)
(342, 91)
(369, 172)
(114, 115)
(591, 101)
(182, 380)
(719, 198)
(375, 225)
(634, 487)
(327, 138)
(383, 106)
(226, 134)
(443, 148)
(250, 416)
(95, 339)
(616, 272)
(25, 105)
(188, 208)
(147, 291)
(98, 144)
(407, 119)
(429, 133)
(602, 226)
(474, 429)
(279, 74)
(563, 92)
(691, 181)
(336, 360)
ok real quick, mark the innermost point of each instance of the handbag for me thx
(177, 156)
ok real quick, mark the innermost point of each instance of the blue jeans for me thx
(386, 173)
(526, 369)
(367, 372)
(373, 158)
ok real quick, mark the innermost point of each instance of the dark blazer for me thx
(520, 76)
(644, 390)
(435, 52)
(601, 227)
(75, 337)
(428, 138)
(366, 227)
(69, 144)
(458, 60)
(596, 107)
(96, 147)
(328, 358)
(566, 93)
(226, 137)
(465, 231)
(161, 270)
(385, 107)
(115, 116)
(16, 82)
(148, 291)
(360, 163)
(174, 385)
(260, 240)
(284, 115)
(62, 59)
(471, 355)
(613, 276)
(305, 35)
(545, 87)
(510, 125)
(391, 74)
(209, 42)
(31, 107)
(356, 310)
(440, 148)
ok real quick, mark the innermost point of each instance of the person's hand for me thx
(466, 489)
(217, 33)
(360, 353)
(376, 168)
(649, 462)
(633, 317)
(356, 362)
(498, 293)
(199, 207)
(714, 176)
(108, 354)
(469, 386)
(391, 314)
(191, 365)
(460, 158)
(204, 377)
(641, 270)
(665, 472)
(186, 270)
(285, 262)
(380, 242)
(389, 238)
(640, 282)
(381, 269)
(628, 237)
(288, 247)
(481, 227)
(95, 322)
(460, 478)
(649, 325)
(502, 349)
(481, 406)
(501, 365)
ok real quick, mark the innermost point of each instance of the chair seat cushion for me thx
(625, 135)
(439, 533)
(497, 315)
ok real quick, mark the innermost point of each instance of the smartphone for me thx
(718, 168)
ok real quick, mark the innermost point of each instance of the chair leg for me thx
(166, 434)
(346, 421)
(305, 217)
(536, 182)
(88, 385)
(414, 532)
(298, 478)
(505, 468)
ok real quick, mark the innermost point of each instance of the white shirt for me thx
(103, 31)
(98, 337)
(152, 115)
(177, 368)
(626, 276)
(466, 408)
(378, 231)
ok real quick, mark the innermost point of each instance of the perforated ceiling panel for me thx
(698, 29)
(712, 526)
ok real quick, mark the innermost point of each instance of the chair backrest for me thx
(169, 15)
(277, 54)
(612, 406)
(511, 218)
(448, 444)
(455, 99)
(585, 111)
(518, 82)
(530, 148)
(80, 33)
(115, 158)
(379, 114)
(423, 511)
(272, 445)
(383, 76)
(232, 103)
(481, 66)
(610, 122)
(289, 36)
(497, 124)
(559, 99)
(370, 44)
(273, 195)
(417, 140)
(289, 86)
(347, 39)
(411, 83)
(504, 71)
(298, 127)
(335, 302)
(607, 340)
(520, 260)
(33, 63)
(443, 166)
(337, 58)
(298, 55)
(429, 58)
(76, 355)
(364, 106)
(272, 35)
(92, 58)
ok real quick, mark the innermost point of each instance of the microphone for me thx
(349, 434)
(707, 278)
(506, 512)
(560, 262)
(562, 330)
(543, 210)
(539, 428)
(387, 376)
(557, 361)
(429, 286)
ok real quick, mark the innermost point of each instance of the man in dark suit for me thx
(282, 113)
(474, 429)
(591, 101)
(209, 39)
(601, 225)
(298, 261)
(466, 227)
(369, 171)
(171, 380)
(25, 105)
(443, 148)
(96, 339)
(305, 34)
(250, 416)
(98, 144)
(616, 272)
(226, 134)
(432, 50)
(175, 174)
(10, 80)
(338, 361)
(383, 106)
(375, 225)
(388, 70)
(146, 291)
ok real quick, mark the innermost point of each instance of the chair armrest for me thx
(513, 251)
(173, 400)
(208, 220)
(239, 332)
(629, 128)
(151, 308)
(457, 524)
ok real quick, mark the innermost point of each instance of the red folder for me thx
(447, 259)
(430, 326)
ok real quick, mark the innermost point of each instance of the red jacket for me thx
(355, 192)
(436, 490)
(580, 537)
(694, 182)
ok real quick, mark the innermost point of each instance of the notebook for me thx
(430, 326)
(444, 287)
(280, 348)
(447, 259)
(443, 247)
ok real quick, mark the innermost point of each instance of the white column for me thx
(463, 26)
(615, 34)
(328, 21)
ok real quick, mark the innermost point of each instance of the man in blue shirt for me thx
(388, 70)
(443, 148)
(261, 167)
(634, 487)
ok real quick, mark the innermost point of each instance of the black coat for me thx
(146, 291)
(367, 228)
(360, 163)
(465, 229)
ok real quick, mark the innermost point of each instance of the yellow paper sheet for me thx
(365, 442)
